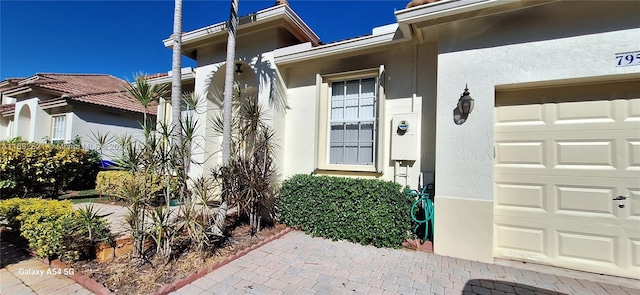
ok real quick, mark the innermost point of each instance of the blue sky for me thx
(122, 38)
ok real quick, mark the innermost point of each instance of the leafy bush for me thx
(365, 211)
(31, 168)
(112, 183)
(53, 228)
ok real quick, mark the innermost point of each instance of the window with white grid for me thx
(59, 127)
(353, 122)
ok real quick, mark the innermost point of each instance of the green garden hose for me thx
(427, 205)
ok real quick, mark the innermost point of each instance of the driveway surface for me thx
(299, 264)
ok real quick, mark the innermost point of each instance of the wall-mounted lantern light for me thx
(238, 68)
(465, 103)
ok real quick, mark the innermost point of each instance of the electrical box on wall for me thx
(404, 138)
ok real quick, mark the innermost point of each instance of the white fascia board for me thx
(220, 28)
(440, 9)
(284, 57)
(295, 19)
(167, 79)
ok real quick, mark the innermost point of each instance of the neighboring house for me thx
(59, 107)
(530, 174)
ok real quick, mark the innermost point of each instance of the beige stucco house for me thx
(58, 107)
(533, 173)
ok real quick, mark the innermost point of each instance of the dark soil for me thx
(132, 276)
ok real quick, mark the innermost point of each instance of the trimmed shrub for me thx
(37, 169)
(112, 183)
(52, 228)
(365, 211)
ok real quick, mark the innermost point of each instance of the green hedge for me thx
(40, 169)
(365, 211)
(53, 228)
(112, 183)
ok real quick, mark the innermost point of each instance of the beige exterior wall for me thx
(254, 52)
(406, 90)
(561, 43)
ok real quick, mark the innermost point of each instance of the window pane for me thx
(337, 90)
(368, 87)
(365, 154)
(366, 131)
(336, 154)
(351, 133)
(351, 109)
(337, 110)
(337, 133)
(353, 89)
(351, 153)
(57, 132)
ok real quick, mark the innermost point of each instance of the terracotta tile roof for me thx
(414, 3)
(97, 89)
(153, 76)
(7, 107)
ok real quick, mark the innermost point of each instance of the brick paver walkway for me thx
(20, 274)
(299, 264)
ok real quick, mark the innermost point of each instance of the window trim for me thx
(64, 128)
(324, 121)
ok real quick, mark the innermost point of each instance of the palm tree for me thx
(228, 82)
(176, 75)
(145, 94)
(220, 217)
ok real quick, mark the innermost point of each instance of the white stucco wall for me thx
(301, 132)
(518, 48)
(83, 120)
(257, 56)
(564, 42)
(38, 127)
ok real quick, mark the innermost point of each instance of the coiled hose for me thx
(427, 205)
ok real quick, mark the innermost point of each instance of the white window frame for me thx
(324, 83)
(63, 127)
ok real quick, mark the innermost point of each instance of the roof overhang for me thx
(381, 36)
(218, 32)
(445, 11)
(186, 74)
(18, 90)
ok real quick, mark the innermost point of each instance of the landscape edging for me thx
(205, 270)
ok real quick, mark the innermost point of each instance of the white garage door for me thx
(562, 155)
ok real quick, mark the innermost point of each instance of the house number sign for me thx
(626, 59)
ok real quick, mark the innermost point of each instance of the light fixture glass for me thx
(465, 103)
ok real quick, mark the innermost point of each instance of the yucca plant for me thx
(247, 181)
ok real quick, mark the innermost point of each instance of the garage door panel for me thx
(634, 245)
(527, 154)
(530, 196)
(594, 200)
(633, 202)
(633, 148)
(632, 110)
(520, 238)
(585, 112)
(558, 166)
(587, 246)
(590, 154)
